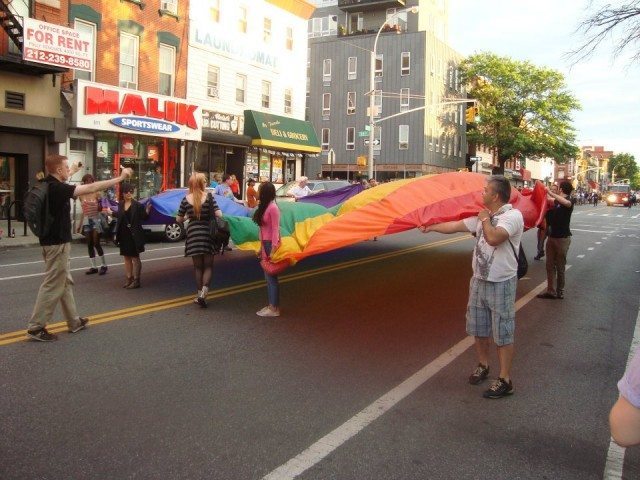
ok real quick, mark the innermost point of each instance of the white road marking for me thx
(580, 256)
(40, 274)
(615, 454)
(330, 442)
(590, 248)
(598, 243)
(85, 256)
(590, 231)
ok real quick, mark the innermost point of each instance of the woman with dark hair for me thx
(267, 216)
(130, 235)
(91, 226)
(200, 208)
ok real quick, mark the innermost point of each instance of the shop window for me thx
(128, 60)
(351, 138)
(88, 29)
(241, 88)
(167, 66)
(213, 81)
(266, 94)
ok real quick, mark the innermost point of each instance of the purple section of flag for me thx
(332, 198)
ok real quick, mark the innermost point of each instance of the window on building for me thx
(128, 68)
(89, 29)
(405, 63)
(288, 94)
(170, 6)
(326, 70)
(395, 18)
(352, 68)
(323, 26)
(266, 33)
(266, 94)
(404, 99)
(377, 103)
(379, 62)
(351, 138)
(377, 135)
(326, 104)
(403, 137)
(289, 41)
(242, 19)
(167, 69)
(351, 103)
(213, 82)
(355, 22)
(241, 88)
(326, 137)
(214, 11)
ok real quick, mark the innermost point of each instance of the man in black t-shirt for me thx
(56, 246)
(559, 239)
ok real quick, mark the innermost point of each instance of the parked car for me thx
(316, 186)
(162, 217)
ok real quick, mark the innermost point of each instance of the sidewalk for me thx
(20, 240)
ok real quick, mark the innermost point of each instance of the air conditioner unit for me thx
(167, 6)
(212, 92)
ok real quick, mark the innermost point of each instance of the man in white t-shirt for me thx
(300, 190)
(492, 292)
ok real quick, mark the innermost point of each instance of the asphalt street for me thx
(364, 376)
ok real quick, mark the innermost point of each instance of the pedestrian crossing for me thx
(611, 215)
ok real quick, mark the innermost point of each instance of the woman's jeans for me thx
(273, 287)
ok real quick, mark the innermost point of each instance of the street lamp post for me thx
(372, 87)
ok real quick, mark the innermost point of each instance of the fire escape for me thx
(10, 59)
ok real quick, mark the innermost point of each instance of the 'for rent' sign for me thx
(57, 45)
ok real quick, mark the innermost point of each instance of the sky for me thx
(543, 32)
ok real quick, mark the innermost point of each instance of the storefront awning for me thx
(274, 131)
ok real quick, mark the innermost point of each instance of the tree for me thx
(625, 167)
(621, 22)
(525, 110)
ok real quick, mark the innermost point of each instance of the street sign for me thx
(367, 128)
(364, 133)
(475, 159)
(375, 141)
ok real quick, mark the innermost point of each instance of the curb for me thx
(28, 241)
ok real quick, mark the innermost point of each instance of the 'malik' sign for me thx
(103, 107)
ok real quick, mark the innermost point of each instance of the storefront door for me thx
(13, 183)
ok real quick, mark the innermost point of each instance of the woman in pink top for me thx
(267, 216)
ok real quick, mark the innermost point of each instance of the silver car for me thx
(316, 186)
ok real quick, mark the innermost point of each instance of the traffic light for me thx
(470, 114)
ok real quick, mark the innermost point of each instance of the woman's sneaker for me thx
(499, 389)
(479, 375)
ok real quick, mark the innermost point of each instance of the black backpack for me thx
(36, 209)
(523, 264)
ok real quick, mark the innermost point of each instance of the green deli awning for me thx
(274, 131)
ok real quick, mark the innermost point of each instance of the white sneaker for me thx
(267, 312)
